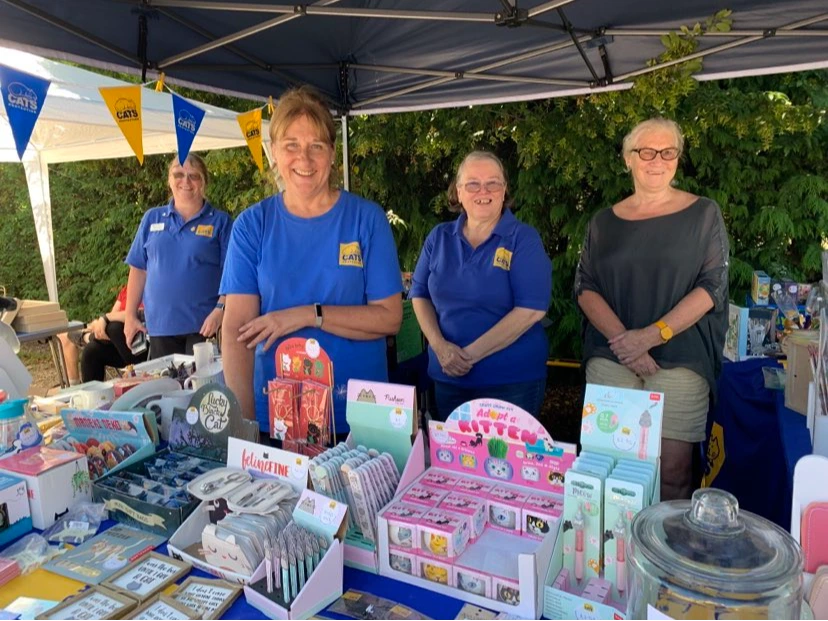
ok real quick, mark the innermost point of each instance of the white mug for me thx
(203, 354)
(92, 398)
(164, 406)
(213, 373)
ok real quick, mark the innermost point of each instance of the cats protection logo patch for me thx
(503, 259)
(350, 254)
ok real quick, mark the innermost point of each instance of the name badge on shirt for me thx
(205, 230)
(350, 254)
(503, 259)
(158, 226)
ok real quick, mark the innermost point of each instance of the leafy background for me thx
(756, 145)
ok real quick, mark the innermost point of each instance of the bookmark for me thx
(269, 567)
(285, 579)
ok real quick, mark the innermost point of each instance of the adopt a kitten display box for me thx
(490, 444)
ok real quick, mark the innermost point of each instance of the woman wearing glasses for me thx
(653, 284)
(175, 265)
(480, 289)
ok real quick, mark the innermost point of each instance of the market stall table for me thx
(428, 603)
(49, 336)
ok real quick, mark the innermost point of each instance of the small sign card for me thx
(209, 598)
(94, 603)
(147, 576)
(163, 607)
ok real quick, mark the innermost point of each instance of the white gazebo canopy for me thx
(76, 125)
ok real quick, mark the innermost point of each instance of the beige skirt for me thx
(686, 395)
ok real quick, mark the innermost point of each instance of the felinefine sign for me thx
(269, 462)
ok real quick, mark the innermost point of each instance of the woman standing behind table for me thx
(176, 260)
(652, 283)
(481, 286)
(313, 261)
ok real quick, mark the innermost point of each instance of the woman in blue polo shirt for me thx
(175, 265)
(312, 261)
(481, 286)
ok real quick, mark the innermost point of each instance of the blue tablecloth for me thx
(426, 602)
(759, 441)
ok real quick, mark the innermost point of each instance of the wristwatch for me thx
(220, 305)
(317, 309)
(105, 319)
(665, 330)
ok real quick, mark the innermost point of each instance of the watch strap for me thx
(317, 309)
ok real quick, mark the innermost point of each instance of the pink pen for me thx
(578, 525)
(645, 422)
(620, 533)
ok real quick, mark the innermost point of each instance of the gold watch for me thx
(665, 330)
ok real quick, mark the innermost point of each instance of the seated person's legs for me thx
(70, 355)
(95, 357)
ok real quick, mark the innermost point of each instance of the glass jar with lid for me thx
(704, 559)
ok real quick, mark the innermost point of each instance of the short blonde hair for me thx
(298, 102)
(476, 156)
(196, 161)
(654, 124)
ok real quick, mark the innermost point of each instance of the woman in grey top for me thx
(652, 283)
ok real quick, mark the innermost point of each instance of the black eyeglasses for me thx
(473, 187)
(668, 154)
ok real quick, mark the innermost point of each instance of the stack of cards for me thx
(9, 570)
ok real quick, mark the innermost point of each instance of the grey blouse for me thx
(643, 268)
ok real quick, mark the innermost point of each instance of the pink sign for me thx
(499, 441)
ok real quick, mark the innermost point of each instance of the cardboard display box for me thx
(56, 481)
(185, 544)
(203, 430)
(15, 514)
(496, 444)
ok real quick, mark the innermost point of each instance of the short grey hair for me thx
(477, 156)
(658, 123)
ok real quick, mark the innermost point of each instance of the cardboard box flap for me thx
(209, 422)
(266, 461)
(383, 416)
(37, 460)
(115, 438)
(321, 515)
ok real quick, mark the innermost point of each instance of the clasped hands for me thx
(632, 348)
(455, 361)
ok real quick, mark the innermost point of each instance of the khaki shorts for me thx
(686, 395)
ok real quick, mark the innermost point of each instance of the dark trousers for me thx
(527, 396)
(97, 355)
(165, 345)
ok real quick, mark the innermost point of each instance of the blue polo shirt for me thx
(345, 257)
(474, 288)
(183, 261)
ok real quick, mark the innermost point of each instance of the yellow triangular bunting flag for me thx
(124, 103)
(251, 126)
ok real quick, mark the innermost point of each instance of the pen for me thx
(578, 524)
(620, 533)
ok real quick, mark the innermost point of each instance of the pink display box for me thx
(439, 479)
(472, 581)
(506, 591)
(424, 496)
(436, 571)
(562, 581)
(402, 525)
(406, 562)
(442, 534)
(472, 508)
(504, 509)
(541, 514)
(475, 487)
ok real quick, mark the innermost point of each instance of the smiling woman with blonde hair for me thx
(312, 261)
(481, 286)
(652, 283)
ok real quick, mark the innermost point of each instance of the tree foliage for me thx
(755, 145)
